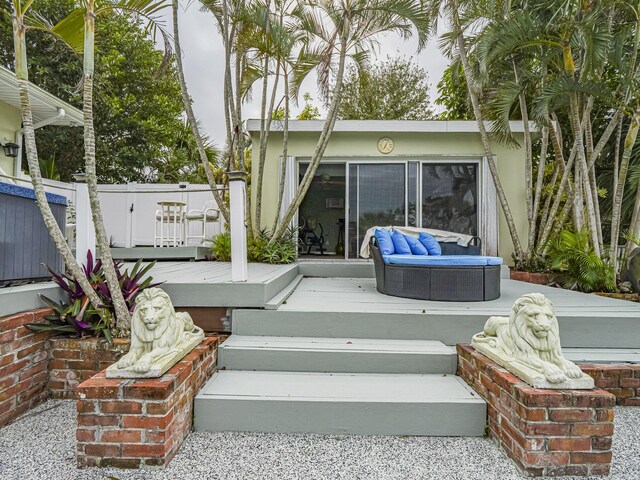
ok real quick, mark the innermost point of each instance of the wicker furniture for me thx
(455, 283)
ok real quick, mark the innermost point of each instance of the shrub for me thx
(578, 266)
(77, 315)
(259, 249)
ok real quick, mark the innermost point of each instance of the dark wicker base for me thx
(445, 284)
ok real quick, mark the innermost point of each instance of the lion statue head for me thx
(153, 314)
(533, 324)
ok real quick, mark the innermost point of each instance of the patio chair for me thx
(208, 214)
(467, 278)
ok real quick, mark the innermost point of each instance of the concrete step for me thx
(339, 403)
(354, 355)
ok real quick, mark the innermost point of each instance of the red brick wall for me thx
(23, 365)
(545, 432)
(621, 380)
(130, 423)
(74, 360)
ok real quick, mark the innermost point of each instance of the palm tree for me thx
(68, 29)
(453, 10)
(20, 26)
(191, 118)
(337, 30)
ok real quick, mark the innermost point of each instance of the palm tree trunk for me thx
(542, 163)
(285, 150)
(123, 318)
(616, 213)
(60, 242)
(321, 146)
(191, 118)
(502, 197)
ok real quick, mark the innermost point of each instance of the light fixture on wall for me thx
(11, 149)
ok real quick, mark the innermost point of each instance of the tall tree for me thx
(138, 118)
(191, 118)
(18, 14)
(338, 30)
(395, 89)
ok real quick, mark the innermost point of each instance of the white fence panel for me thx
(130, 210)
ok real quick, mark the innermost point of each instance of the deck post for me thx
(237, 205)
(85, 231)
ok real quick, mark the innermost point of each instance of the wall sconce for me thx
(11, 149)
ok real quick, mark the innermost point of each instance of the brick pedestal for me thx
(74, 360)
(23, 364)
(621, 380)
(545, 432)
(130, 423)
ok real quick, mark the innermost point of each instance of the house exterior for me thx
(430, 174)
(47, 109)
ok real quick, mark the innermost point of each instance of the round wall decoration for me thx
(385, 145)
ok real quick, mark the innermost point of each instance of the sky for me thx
(203, 59)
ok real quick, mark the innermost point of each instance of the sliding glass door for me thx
(449, 198)
(377, 196)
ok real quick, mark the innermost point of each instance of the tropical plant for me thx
(578, 265)
(77, 315)
(78, 31)
(259, 248)
(395, 89)
(334, 32)
(200, 140)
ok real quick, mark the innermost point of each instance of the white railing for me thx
(129, 210)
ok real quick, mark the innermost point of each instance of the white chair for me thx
(170, 225)
(208, 214)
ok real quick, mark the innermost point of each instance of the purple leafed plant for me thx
(76, 315)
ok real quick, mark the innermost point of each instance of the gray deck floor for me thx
(353, 307)
(208, 284)
(360, 295)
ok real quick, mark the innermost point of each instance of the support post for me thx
(237, 205)
(85, 232)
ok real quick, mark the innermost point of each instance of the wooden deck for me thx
(208, 284)
(324, 307)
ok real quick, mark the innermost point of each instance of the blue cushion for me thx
(442, 260)
(434, 260)
(430, 243)
(400, 243)
(384, 241)
(416, 247)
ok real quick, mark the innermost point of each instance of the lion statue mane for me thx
(530, 336)
(156, 331)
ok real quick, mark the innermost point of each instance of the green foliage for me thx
(309, 111)
(76, 315)
(453, 96)
(138, 105)
(579, 267)
(396, 89)
(259, 249)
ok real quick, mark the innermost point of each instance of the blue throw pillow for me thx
(400, 243)
(384, 241)
(430, 243)
(416, 247)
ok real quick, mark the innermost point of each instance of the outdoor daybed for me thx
(452, 278)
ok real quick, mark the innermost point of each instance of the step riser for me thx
(350, 362)
(340, 418)
(444, 327)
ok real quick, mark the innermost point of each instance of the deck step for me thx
(354, 355)
(339, 403)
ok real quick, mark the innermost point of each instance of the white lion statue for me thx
(160, 337)
(528, 344)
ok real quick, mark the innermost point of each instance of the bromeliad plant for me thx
(77, 315)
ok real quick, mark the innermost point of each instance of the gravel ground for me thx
(41, 445)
